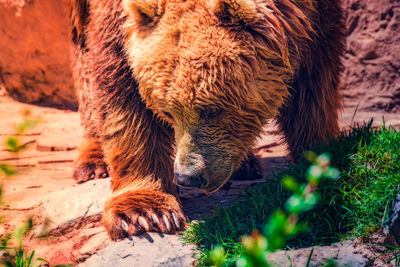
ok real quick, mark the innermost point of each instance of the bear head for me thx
(216, 71)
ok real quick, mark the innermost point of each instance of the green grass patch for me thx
(354, 205)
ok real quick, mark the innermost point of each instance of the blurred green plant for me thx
(11, 244)
(353, 206)
(282, 225)
(16, 256)
(13, 144)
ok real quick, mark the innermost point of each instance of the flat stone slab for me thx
(76, 203)
(152, 250)
(343, 253)
(67, 128)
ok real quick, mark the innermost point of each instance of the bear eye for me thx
(210, 112)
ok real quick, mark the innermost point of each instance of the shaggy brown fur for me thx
(175, 87)
(90, 164)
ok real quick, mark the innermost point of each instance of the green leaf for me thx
(290, 184)
(310, 156)
(7, 170)
(314, 174)
(12, 144)
(332, 173)
(216, 256)
(43, 260)
(323, 160)
(26, 124)
(297, 204)
(275, 231)
(29, 260)
(309, 258)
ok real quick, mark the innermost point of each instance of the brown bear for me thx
(177, 91)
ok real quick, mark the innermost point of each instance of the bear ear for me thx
(142, 11)
(234, 10)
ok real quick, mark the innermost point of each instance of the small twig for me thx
(354, 114)
(384, 213)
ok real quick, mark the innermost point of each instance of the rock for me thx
(70, 247)
(40, 172)
(343, 253)
(393, 224)
(371, 75)
(67, 128)
(35, 46)
(75, 204)
(152, 250)
(36, 67)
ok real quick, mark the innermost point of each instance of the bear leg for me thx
(139, 152)
(310, 116)
(308, 122)
(90, 163)
(138, 147)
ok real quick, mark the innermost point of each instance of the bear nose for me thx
(188, 180)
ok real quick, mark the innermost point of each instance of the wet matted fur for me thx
(185, 87)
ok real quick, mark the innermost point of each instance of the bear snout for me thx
(184, 180)
(188, 170)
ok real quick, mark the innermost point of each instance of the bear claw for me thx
(176, 220)
(124, 226)
(143, 223)
(155, 218)
(166, 222)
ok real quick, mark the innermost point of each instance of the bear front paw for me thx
(90, 171)
(139, 211)
(90, 164)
